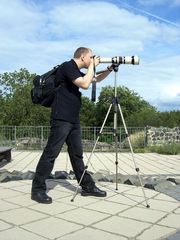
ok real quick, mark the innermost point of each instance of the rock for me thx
(174, 180)
(3, 171)
(71, 175)
(103, 176)
(97, 176)
(60, 175)
(128, 179)
(3, 162)
(172, 191)
(150, 186)
(177, 181)
(120, 178)
(169, 186)
(51, 176)
(29, 175)
(150, 182)
(175, 236)
(16, 175)
(134, 180)
(162, 185)
(128, 182)
(5, 176)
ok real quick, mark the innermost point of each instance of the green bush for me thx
(170, 149)
(137, 140)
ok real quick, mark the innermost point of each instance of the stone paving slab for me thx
(156, 232)
(52, 227)
(93, 234)
(21, 216)
(122, 226)
(18, 233)
(121, 215)
(109, 218)
(149, 163)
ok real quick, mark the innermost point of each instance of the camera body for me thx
(121, 60)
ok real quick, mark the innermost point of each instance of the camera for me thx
(121, 60)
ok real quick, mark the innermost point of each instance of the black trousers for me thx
(61, 131)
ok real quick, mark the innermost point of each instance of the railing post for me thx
(145, 136)
(42, 131)
(15, 137)
(120, 139)
(94, 133)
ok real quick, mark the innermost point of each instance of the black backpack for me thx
(44, 88)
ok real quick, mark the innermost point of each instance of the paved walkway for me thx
(121, 215)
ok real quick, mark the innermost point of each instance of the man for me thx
(65, 124)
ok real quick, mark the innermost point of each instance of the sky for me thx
(39, 34)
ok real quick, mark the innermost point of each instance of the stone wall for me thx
(162, 135)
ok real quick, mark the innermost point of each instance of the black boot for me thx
(93, 191)
(41, 197)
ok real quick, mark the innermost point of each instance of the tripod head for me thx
(115, 67)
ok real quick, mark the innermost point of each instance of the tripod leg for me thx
(100, 132)
(116, 141)
(132, 153)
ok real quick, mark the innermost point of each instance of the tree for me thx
(170, 119)
(16, 104)
(16, 107)
(130, 103)
(87, 113)
(2, 108)
(144, 117)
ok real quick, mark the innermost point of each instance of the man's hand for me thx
(95, 60)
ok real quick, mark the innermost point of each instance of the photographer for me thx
(65, 124)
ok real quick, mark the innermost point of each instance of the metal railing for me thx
(35, 137)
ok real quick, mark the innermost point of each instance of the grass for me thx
(168, 149)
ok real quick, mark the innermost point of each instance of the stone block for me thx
(71, 175)
(102, 176)
(29, 175)
(61, 175)
(162, 185)
(51, 176)
(16, 175)
(120, 178)
(5, 176)
(134, 179)
(173, 191)
(174, 180)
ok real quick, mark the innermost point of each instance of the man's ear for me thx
(82, 58)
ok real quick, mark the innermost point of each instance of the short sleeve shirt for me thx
(67, 101)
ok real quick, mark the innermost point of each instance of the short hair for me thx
(79, 51)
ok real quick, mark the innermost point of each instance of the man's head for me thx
(83, 56)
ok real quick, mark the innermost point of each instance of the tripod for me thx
(115, 103)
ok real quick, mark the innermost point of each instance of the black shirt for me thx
(67, 101)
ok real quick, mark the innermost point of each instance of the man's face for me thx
(87, 58)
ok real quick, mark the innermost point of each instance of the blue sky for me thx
(39, 34)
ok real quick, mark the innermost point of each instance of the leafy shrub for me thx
(137, 140)
(170, 149)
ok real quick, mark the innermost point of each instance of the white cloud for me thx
(172, 90)
(157, 81)
(37, 38)
(19, 21)
(159, 2)
(89, 20)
